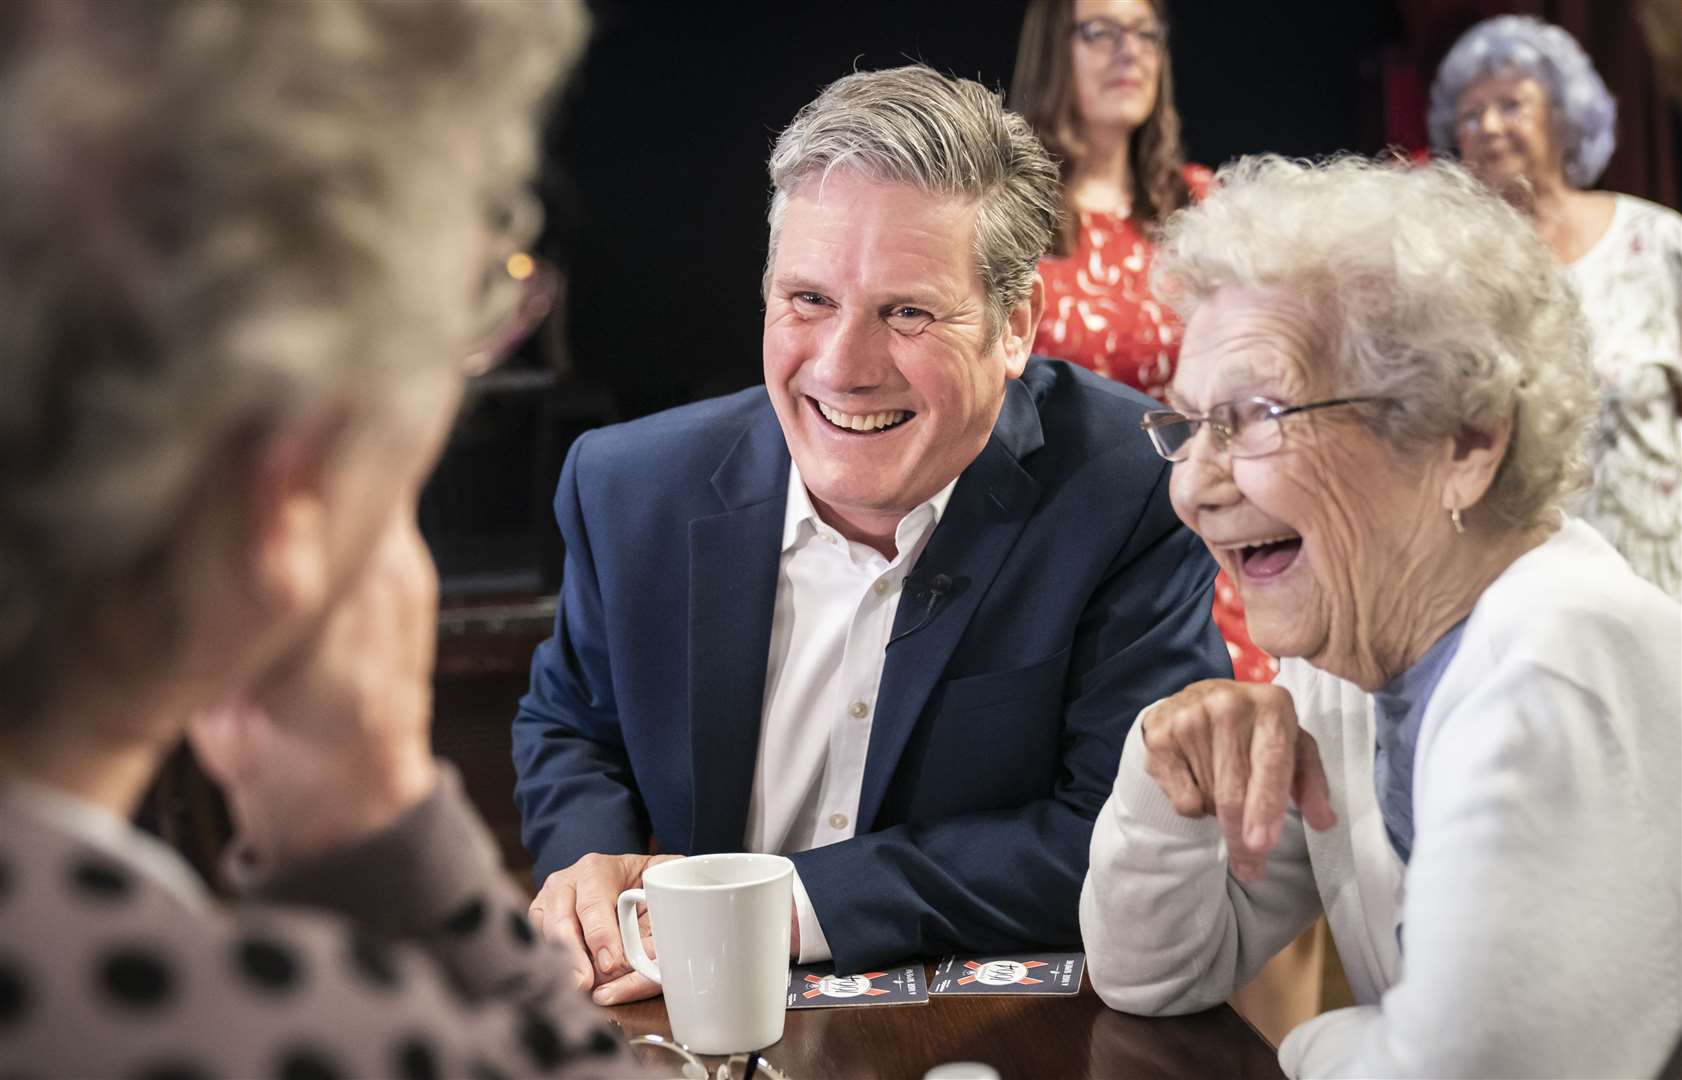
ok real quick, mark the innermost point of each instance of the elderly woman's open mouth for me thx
(1269, 558)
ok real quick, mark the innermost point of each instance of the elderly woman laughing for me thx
(1469, 761)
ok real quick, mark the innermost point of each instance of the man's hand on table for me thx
(579, 908)
(1234, 750)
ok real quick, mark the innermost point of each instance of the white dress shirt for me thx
(834, 613)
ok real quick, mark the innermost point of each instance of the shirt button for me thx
(858, 710)
(829, 538)
(881, 586)
(838, 821)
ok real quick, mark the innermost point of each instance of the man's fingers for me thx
(632, 987)
(1309, 788)
(553, 917)
(647, 930)
(598, 918)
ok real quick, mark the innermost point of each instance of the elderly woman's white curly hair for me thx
(1428, 291)
(1583, 108)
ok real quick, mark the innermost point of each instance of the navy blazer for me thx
(1074, 597)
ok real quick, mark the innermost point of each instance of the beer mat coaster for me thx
(1022, 973)
(816, 986)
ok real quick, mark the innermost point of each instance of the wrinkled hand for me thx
(1234, 750)
(334, 743)
(578, 907)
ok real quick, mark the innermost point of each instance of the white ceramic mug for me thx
(721, 927)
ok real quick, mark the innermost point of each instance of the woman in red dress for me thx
(1093, 77)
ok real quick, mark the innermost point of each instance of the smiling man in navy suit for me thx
(890, 614)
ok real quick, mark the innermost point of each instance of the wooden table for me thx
(1044, 1038)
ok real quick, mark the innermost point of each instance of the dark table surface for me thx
(1020, 1037)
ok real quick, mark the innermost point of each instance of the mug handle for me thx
(630, 934)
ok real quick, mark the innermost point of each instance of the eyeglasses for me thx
(1147, 37)
(1245, 428)
(1511, 111)
(518, 291)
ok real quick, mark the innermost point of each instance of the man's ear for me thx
(1474, 458)
(288, 541)
(1020, 328)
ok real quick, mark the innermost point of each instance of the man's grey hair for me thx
(944, 136)
(1584, 111)
(217, 221)
(1428, 290)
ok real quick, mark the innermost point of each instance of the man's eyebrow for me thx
(798, 283)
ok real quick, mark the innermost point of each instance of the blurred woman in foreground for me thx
(1380, 405)
(248, 252)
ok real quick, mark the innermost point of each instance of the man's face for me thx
(877, 352)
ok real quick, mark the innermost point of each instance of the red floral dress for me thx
(1099, 313)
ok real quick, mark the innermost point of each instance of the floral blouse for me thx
(1630, 283)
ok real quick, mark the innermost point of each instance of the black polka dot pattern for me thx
(96, 879)
(468, 920)
(520, 927)
(307, 1063)
(417, 1061)
(373, 961)
(135, 978)
(602, 1044)
(14, 995)
(268, 965)
(541, 1041)
(480, 1070)
(174, 1070)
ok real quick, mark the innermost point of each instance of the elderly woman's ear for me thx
(1474, 458)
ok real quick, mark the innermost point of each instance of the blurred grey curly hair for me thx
(945, 136)
(1428, 290)
(1581, 104)
(218, 220)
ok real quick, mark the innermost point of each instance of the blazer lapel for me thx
(989, 507)
(733, 560)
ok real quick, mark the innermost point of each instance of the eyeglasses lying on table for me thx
(1245, 428)
(736, 1067)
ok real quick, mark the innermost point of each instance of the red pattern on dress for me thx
(1099, 313)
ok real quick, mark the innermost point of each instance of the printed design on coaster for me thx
(820, 986)
(1001, 973)
(1022, 973)
(843, 986)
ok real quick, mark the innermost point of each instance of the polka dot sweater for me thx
(405, 955)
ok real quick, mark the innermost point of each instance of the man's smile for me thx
(871, 423)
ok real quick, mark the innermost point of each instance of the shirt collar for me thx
(799, 511)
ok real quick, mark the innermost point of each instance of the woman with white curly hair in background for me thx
(1470, 759)
(1532, 118)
